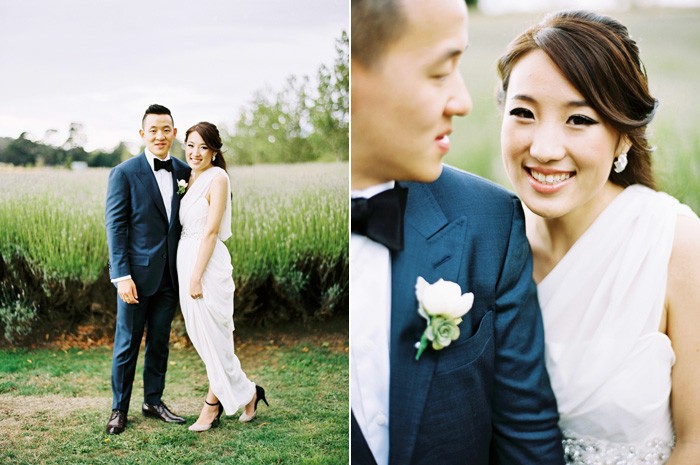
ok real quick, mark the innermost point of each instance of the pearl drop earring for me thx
(620, 163)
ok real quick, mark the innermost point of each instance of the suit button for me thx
(163, 255)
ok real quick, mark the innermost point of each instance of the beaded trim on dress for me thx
(580, 450)
(191, 233)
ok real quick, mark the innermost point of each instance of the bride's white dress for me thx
(209, 320)
(602, 304)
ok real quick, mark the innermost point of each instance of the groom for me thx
(486, 397)
(143, 231)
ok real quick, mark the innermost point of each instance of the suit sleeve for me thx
(117, 215)
(525, 413)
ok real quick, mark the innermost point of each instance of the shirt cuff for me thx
(123, 278)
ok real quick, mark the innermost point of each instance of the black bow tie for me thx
(380, 218)
(166, 165)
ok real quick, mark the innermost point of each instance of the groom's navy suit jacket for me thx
(142, 242)
(486, 398)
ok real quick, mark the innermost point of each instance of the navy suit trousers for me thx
(155, 314)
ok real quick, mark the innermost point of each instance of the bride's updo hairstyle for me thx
(210, 136)
(599, 58)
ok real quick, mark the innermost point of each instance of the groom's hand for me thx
(127, 291)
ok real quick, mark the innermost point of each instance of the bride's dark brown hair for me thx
(599, 58)
(210, 134)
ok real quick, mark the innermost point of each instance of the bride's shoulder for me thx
(215, 174)
(218, 172)
(684, 265)
(219, 179)
(686, 240)
(682, 304)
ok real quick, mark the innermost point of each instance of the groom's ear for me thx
(174, 132)
(141, 133)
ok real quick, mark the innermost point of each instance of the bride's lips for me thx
(547, 180)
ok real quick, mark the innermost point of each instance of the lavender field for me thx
(289, 243)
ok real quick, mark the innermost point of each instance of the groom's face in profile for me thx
(158, 134)
(404, 100)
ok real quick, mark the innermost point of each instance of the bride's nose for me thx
(547, 143)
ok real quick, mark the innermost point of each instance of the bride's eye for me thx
(520, 112)
(580, 120)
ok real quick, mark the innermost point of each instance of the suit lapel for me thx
(145, 175)
(359, 449)
(433, 250)
(175, 204)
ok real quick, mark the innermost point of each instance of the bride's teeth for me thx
(550, 178)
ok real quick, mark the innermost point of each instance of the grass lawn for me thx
(55, 402)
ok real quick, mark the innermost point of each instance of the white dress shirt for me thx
(370, 317)
(164, 179)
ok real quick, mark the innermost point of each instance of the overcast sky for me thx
(101, 63)
(521, 6)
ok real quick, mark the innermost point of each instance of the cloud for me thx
(102, 63)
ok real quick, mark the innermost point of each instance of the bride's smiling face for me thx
(197, 153)
(557, 150)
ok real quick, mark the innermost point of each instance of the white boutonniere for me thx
(442, 305)
(181, 186)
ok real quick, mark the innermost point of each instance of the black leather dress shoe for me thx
(117, 422)
(161, 412)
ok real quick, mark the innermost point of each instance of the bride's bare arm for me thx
(683, 305)
(217, 204)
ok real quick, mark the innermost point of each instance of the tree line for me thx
(25, 152)
(300, 122)
(306, 120)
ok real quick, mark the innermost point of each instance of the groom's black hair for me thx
(156, 109)
(375, 24)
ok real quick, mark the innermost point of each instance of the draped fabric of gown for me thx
(602, 305)
(209, 320)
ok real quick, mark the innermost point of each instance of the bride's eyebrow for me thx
(571, 104)
(577, 104)
(524, 98)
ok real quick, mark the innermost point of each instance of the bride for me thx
(206, 285)
(617, 263)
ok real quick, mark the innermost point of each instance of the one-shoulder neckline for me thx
(598, 220)
(214, 169)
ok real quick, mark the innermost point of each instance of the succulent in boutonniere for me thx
(181, 186)
(443, 305)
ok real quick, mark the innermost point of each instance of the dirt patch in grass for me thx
(17, 408)
(16, 412)
(249, 340)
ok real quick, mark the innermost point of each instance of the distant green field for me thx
(669, 41)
